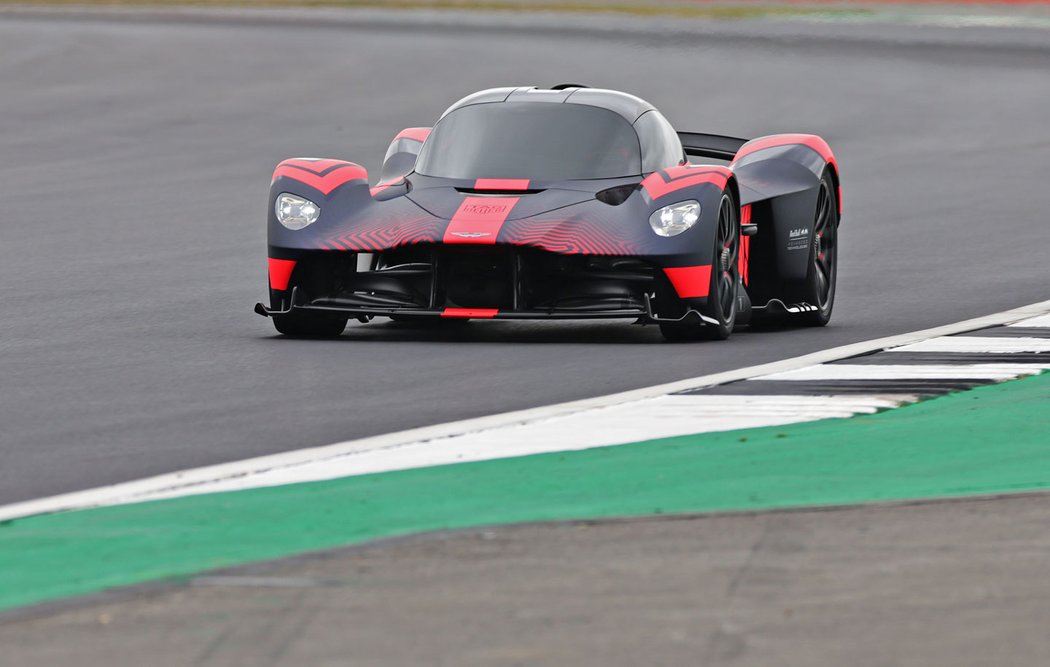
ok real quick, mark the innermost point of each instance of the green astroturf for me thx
(989, 440)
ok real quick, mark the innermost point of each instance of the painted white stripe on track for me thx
(906, 372)
(1041, 321)
(976, 344)
(649, 419)
(205, 479)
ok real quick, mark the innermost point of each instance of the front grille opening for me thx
(427, 277)
(334, 279)
(477, 279)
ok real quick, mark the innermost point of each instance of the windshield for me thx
(533, 140)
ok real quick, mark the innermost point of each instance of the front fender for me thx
(341, 191)
(702, 183)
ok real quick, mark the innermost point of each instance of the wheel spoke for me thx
(725, 260)
(824, 270)
(827, 247)
(725, 293)
(822, 209)
(823, 247)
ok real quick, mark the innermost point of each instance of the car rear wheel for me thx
(725, 279)
(819, 288)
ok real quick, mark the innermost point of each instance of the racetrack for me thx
(137, 158)
(923, 585)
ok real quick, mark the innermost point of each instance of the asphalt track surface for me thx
(136, 162)
(921, 585)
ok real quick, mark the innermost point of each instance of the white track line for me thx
(648, 419)
(202, 480)
(905, 372)
(977, 345)
(1041, 321)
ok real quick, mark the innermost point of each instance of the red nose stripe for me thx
(479, 219)
(690, 281)
(480, 313)
(501, 184)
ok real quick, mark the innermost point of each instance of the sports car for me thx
(559, 203)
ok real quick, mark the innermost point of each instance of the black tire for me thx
(819, 288)
(310, 325)
(725, 281)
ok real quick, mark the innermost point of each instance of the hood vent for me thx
(616, 196)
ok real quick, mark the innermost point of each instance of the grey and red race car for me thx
(569, 202)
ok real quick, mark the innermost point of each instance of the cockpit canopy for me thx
(529, 137)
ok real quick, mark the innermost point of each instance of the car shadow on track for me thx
(615, 332)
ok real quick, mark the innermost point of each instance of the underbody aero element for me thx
(569, 202)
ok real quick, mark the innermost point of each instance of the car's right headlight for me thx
(674, 219)
(296, 212)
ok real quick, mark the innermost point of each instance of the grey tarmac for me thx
(137, 154)
(937, 584)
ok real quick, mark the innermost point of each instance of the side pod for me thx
(779, 178)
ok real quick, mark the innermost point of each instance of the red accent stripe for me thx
(478, 220)
(415, 133)
(501, 184)
(745, 242)
(745, 257)
(379, 187)
(480, 313)
(810, 140)
(280, 272)
(658, 185)
(318, 166)
(690, 281)
(323, 175)
(838, 199)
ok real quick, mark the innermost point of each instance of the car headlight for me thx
(295, 212)
(674, 219)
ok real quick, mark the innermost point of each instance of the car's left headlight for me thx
(674, 219)
(296, 212)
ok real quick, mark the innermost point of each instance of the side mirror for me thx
(401, 156)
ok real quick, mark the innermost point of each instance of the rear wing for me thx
(714, 146)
